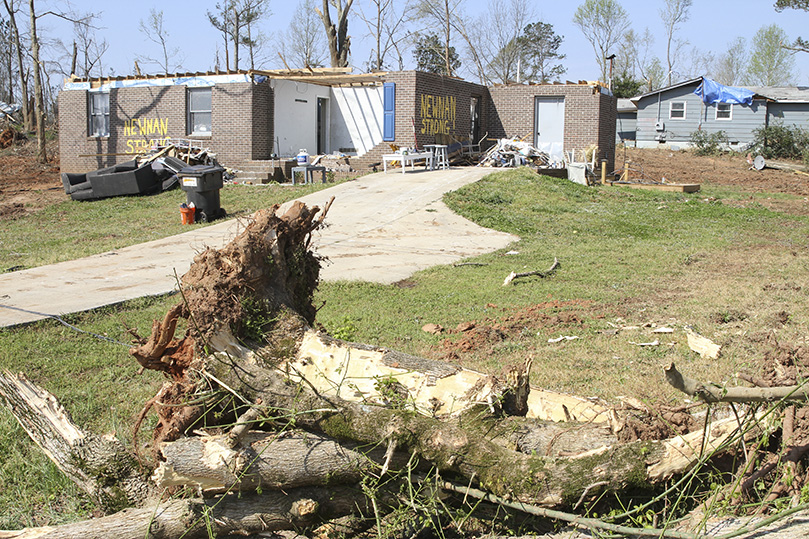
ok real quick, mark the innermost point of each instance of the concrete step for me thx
(253, 177)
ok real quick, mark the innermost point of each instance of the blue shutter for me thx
(389, 108)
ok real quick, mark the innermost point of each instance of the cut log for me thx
(218, 517)
(263, 460)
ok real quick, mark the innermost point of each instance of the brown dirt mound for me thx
(482, 335)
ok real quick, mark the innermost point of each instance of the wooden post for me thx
(603, 172)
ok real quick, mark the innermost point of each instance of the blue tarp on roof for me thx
(712, 92)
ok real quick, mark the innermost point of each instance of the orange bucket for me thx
(187, 215)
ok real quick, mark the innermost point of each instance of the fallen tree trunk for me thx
(462, 446)
(217, 517)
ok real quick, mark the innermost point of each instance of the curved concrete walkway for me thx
(381, 228)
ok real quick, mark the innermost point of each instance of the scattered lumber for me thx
(513, 153)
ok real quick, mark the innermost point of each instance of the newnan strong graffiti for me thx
(438, 114)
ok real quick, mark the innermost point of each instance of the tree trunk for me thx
(39, 109)
(262, 460)
(100, 466)
(461, 446)
(229, 515)
(337, 35)
(26, 112)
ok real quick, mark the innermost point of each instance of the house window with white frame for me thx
(98, 114)
(724, 111)
(199, 111)
(677, 110)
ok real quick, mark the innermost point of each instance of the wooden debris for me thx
(704, 346)
(513, 153)
(546, 273)
(434, 329)
(676, 187)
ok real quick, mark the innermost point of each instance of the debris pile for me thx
(513, 153)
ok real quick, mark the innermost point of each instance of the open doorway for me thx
(322, 125)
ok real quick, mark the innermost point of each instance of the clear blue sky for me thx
(711, 26)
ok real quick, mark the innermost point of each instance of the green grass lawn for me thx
(626, 257)
(75, 229)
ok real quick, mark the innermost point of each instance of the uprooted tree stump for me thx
(274, 425)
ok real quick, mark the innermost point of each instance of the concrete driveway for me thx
(381, 228)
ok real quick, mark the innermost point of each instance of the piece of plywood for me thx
(677, 187)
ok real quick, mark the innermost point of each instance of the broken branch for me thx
(714, 393)
(546, 273)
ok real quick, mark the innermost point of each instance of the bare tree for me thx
(386, 28)
(673, 14)
(731, 67)
(304, 44)
(501, 44)
(152, 28)
(442, 14)
(235, 19)
(635, 58)
(603, 23)
(38, 68)
(12, 8)
(84, 55)
(7, 60)
(38, 97)
(337, 32)
(253, 11)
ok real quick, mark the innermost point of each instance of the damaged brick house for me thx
(250, 118)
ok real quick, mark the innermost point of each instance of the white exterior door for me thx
(549, 126)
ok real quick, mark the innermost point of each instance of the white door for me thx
(549, 126)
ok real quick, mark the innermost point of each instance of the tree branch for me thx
(714, 393)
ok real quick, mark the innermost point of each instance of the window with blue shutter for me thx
(389, 108)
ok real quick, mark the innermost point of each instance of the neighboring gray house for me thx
(627, 121)
(669, 115)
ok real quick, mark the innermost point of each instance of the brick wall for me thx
(241, 124)
(435, 107)
(590, 115)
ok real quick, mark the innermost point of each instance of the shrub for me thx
(708, 143)
(780, 141)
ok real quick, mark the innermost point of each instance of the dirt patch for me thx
(727, 170)
(25, 185)
(483, 336)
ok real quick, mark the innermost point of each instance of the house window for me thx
(98, 114)
(199, 111)
(724, 111)
(677, 110)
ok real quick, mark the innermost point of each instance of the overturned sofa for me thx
(124, 179)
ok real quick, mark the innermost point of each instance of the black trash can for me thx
(201, 184)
